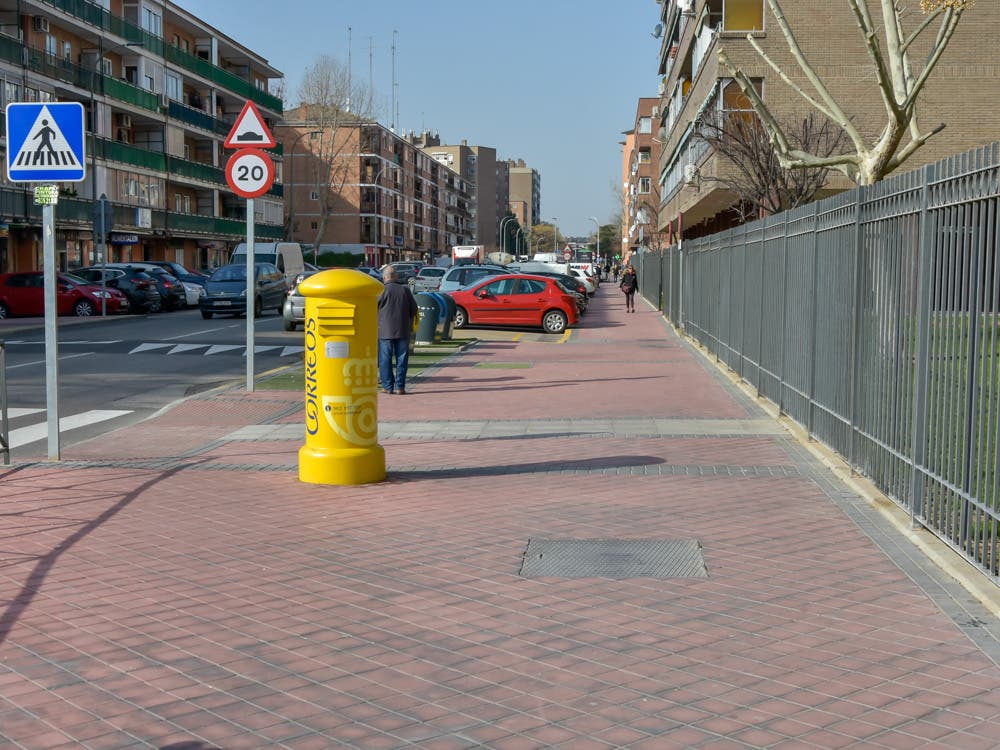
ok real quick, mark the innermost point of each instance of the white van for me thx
(287, 256)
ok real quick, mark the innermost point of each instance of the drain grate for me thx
(613, 558)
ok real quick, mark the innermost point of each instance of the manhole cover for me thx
(613, 558)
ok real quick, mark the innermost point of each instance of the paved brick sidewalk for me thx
(177, 587)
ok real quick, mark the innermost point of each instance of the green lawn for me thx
(293, 379)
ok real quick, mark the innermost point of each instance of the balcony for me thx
(198, 118)
(96, 16)
(109, 150)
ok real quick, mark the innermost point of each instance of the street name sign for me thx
(45, 142)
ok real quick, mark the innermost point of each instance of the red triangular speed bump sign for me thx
(250, 131)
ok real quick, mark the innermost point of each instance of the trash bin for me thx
(428, 319)
(447, 314)
(442, 313)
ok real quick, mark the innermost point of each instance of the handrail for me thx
(4, 423)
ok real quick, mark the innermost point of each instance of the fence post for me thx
(861, 193)
(760, 308)
(784, 315)
(813, 334)
(918, 451)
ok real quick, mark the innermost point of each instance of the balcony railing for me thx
(105, 148)
(102, 19)
(198, 118)
(19, 207)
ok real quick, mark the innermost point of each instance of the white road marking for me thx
(181, 348)
(195, 333)
(148, 347)
(292, 350)
(25, 435)
(42, 361)
(217, 348)
(15, 412)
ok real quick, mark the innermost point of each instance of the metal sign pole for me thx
(251, 294)
(101, 229)
(51, 329)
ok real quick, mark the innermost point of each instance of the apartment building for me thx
(640, 188)
(486, 182)
(525, 193)
(161, 90)
(391, 201)
(962, 91)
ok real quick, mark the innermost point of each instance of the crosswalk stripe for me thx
(223, 348)
(14, 412)
(24, 435)
(292, 350)
(148, 347)
(181, 348)
(259, 349)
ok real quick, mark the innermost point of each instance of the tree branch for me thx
(948, 26)
(883, 75)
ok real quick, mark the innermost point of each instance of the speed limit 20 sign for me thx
(250, 172)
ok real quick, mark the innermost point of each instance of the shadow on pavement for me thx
(33, 585)
(539, 467)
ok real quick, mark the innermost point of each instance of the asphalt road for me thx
(120, 369)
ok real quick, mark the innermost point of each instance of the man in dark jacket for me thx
(396, 311)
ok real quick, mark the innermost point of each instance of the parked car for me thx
(294, 308)
(570, 284)
(180, 272)
(171, 290)
(226, 290)
(407, 270)
(137, 285)
(428, 279)
(23, 293)
(459, 277)
(516, 300)
(193, 293)
(586, 280)
(373, 272)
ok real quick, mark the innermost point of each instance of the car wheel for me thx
(258, 308)
(155, 307)
(461, 319)
(83, 308)
(289, 325)
(4, 311)
(554, 321)
(206, 314)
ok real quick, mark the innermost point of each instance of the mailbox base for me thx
(345, 466)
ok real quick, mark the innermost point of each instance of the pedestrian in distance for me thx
(615, 271)
(396, 311)
(628, 284)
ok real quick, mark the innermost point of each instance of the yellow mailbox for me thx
(341, 388)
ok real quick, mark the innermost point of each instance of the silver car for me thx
(428, 279)
(294, 309)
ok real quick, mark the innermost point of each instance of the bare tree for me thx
(899, 85)
(758, 180)
(335, 107)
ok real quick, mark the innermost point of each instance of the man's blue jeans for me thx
(387, 349)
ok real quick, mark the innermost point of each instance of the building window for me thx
(644, 184)
(314, 195)
(644, 155)
(51, 44)
(743, 15)
(67, 51)
(148, 82)
(152, 22)
(175, 88)
(645, 125)
(314, 225)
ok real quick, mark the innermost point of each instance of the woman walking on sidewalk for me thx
(628, 284)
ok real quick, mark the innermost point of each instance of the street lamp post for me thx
(597, 259)
(519, 244)
(503, 236)
(555, 235)
(291, 183)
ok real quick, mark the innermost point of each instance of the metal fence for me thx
(872, 318)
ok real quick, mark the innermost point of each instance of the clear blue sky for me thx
(553, 82)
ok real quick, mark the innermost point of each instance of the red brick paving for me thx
(201, 606)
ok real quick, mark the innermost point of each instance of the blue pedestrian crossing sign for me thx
(45, 142)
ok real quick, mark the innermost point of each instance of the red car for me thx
(516, 300)
(22, 293)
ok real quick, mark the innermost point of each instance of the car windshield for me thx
(230, 273)
(73, 278)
